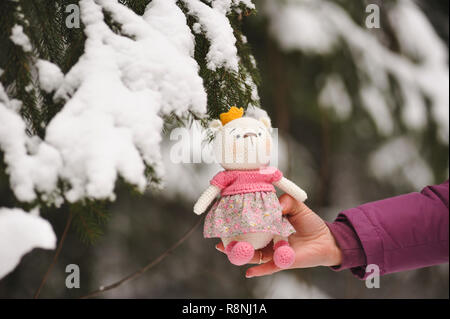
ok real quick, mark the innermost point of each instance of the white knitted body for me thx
(257, 240)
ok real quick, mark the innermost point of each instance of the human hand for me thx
(313, 242)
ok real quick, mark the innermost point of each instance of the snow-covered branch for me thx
(114, 101)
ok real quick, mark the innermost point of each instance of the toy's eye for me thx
(238, 136)
(259, 134)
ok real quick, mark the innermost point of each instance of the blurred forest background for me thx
(362, 114)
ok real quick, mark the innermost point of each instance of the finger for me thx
(262, 255)
(262, 270)
(291, 206)
(300, 216)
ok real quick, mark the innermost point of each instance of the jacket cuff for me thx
(368, 238)
(353, 255)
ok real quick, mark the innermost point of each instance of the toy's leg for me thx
(239, 252)
(240, 249)
(284, 255)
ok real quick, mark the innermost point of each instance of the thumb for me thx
(302, 218)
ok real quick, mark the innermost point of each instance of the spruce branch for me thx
(89, 219)
(43, 23)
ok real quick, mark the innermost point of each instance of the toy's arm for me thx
(292, 189)
(205, 199)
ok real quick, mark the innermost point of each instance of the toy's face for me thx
(243, 144)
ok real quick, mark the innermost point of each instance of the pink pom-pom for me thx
(284, 257)
(240, 253)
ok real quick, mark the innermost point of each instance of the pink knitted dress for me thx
(248, 204)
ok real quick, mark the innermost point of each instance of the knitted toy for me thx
(248, 214)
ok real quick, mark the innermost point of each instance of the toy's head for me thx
(242, 143)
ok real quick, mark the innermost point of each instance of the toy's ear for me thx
(215, 125)
(266, 122)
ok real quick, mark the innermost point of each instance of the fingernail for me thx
(217, 247)
(248, 275)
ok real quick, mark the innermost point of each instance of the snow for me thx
(21, 232)
(197, 28)
(222, 51)
(415, 34)
(225, 6)
(162, 15)
(31, 166)
(181, 175)
(300, 27)
(116, 97)
(256, 112)
(19, 38)
(418, 39)
(111, 126)
(399, 160)
(316, 27)
(375, 105)
(50, 76)
(254, 92)
(334, 96)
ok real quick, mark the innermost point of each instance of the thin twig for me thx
(141, 271)
(55, 257)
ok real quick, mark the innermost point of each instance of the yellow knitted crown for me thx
(232, 114)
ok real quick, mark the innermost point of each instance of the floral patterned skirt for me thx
(246, 213)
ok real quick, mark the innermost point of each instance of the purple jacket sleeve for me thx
(399, 233)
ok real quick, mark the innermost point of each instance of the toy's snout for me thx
(249, 134)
